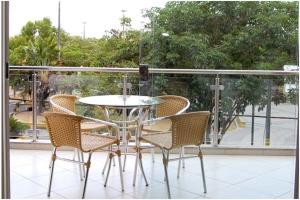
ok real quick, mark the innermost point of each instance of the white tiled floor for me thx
(241, 177)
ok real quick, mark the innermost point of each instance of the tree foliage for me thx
(224, 35)
(36, 45)
(242, 35)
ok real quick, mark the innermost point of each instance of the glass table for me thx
(124, 102)
(121, 101)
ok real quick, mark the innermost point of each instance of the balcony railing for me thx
(249, 107)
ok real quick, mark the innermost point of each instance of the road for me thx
(283, 131)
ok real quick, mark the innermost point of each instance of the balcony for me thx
(253, 158)
(251, 146)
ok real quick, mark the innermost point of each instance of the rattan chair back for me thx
(64, 129)
(189, 128)
(63, 101)
(172, 105)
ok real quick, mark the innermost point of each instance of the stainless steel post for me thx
(124, 110)
(216, 112)
(4, 109)
(34, 107)
(125, 86)
(268, 114)
(252, 124)
(296, 180)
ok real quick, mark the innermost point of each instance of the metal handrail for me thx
(216, 87)
(155, 70)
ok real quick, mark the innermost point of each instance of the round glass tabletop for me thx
(129, 101)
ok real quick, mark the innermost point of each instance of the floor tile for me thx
(60, 180)
(159, 191)
(26, 188)
(53, 195)
(193, 183)
(15, 178)
(267, 185)
(35, 169)
(230, 175)
(236, 177)
(236, 192)
(286, 173)
(94, 190)
(288, 195)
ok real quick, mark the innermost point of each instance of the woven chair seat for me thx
(159, 126)
(160, 139)
(91, 126)
(91, 142)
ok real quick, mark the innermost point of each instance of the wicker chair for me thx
(65, 130)
(173, 105)
(186, 129)
(64, 103)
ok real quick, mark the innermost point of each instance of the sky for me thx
(99, 15)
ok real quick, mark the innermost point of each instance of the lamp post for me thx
(141, 45)
(123, 22)
(84, 23)
(59, 33)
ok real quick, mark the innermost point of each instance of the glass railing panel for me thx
(258, 111)
(20, 105)
(83, 84)
(196, 88)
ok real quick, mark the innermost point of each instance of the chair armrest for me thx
(127, 122)
(155, 120)
(110, 124)
(61, 108)
(101, 121)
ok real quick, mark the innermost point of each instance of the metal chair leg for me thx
(152, 154)
(120, 169)
(125, 155)
(114, 162)
(165, 162)
(82, 160)
(142, 169)
(183, 161)
(135, 168)
(105, 165)
(202, 170)
(79, 166)
(88, 164)
(53, 158)
(50, 162)
(109, 166)
(179, 162)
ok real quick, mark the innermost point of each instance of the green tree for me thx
(36, 45)
(223, 35)
(79, 52)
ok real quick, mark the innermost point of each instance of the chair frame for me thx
(87, 164)
(166, 151)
